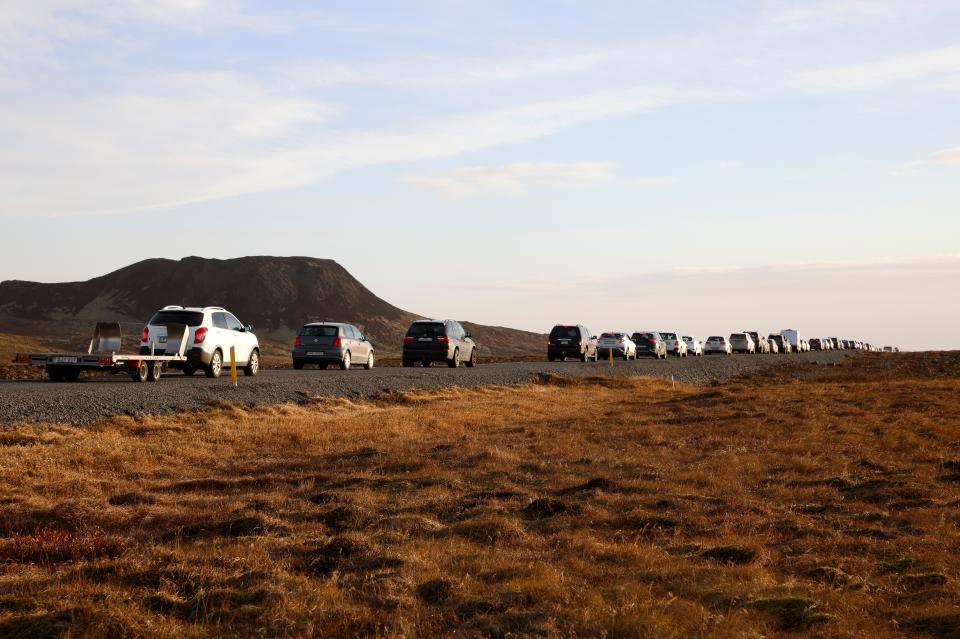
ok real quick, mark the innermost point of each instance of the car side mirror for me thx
(467, 335)
(248, 328)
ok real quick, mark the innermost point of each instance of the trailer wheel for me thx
(141, 373)
(71, 374)
(155, 371)
(55, 373)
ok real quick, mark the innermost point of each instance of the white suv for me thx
(212, 331)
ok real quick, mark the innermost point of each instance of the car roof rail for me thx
(214, 308)
(171, 307)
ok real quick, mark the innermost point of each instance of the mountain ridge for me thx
(274, 294)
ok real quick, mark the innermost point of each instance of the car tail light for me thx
(200, 335)
(580, 344)
(22, 358)
(296, 341)
(408, 339)
(145, 334)
(444, 339)
(549, 342)
(652, 341)
(337, 342)
(620, 340)
(106, 360)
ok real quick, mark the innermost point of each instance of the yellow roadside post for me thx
(233, 365)
(610, 350)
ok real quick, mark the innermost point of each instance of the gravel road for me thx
(98, 396)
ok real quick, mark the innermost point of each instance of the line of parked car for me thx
(575, 341)
(214, 332)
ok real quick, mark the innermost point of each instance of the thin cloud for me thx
(905, 67)
(947, 156)
(510, 178)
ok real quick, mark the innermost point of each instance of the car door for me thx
(588, 346)
(363, 346)
(221, 336)
(238, 338)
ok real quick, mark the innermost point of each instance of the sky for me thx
(699, 167)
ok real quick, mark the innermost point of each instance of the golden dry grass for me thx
(808, 500)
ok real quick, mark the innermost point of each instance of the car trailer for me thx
(102, 355)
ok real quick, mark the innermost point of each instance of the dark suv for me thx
(571, 341)
(429, 341)
(650, 344)
(325, 343)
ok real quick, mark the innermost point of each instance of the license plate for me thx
(65, 360)
(425, 339)
(564, 341)
(316, 353)
(162, 339)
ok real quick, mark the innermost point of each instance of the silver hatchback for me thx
(326, 343)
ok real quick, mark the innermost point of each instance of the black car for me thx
(783, 345)
(650, 344)
(571, 341)
(429, 341)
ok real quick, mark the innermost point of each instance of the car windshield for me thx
(565, 332)
(668, 335)
(738, 336)
(644, 336)
(190, 318)
(687, 338)
(426, 329)
(320, 331)
(612, 335)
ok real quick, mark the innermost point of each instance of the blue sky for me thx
(700, 166)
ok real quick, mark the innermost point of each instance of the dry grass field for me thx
(811, 500)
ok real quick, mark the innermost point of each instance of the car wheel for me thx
(322, 366)
(215, 367)
(141, 373)
(253, 364)
(345, 362)
(190, 370)
(369, 363)
(584, 356)
(473, 359)
(406, 363)
(454, 362)
(297, 366)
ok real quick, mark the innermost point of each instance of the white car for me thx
(618, 343)
(742, 343)
(675, 345)
(212, 331)
(717, 344)
(694, 346)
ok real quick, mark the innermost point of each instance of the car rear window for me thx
(190, 318)
(426, 329)
(320, 331)
(563, 332)
(687, 338)
(715, 338)
(668, 335)
(737, 336)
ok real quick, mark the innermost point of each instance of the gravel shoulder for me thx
(97, 397)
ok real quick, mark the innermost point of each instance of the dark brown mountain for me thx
(274, 294)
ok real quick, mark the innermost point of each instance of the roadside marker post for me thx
(611, 357)
(233, 366)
